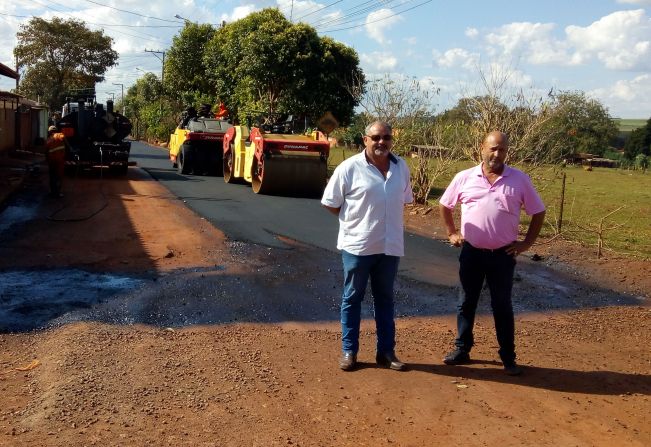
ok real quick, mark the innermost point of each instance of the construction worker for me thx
(222, 112)
(55, 156)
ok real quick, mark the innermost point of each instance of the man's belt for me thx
(489, 250)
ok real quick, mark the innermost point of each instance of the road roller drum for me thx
(276, 164)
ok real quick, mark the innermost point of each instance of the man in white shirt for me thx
(368, 192)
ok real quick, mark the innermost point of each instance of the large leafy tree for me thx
(264, 63)
(185, 74)
(150, 112)
(580, 124)
(59, 56)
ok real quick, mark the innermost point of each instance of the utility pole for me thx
(162, 73)
(162, 59)
(121, 97)
(17, 72)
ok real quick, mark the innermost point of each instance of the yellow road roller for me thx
(276, 163)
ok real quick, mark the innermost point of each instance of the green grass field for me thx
(589, 196)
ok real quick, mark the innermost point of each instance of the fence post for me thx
(559, 225)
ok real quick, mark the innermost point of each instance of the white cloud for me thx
(472, 32)
(239, 12)
(411, 40)
(621, 40)
(379, 62)
(532, 41)
(379, 22)
(627, 98)
(457, 57)
(636, 2)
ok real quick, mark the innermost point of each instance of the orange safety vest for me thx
(57, 142)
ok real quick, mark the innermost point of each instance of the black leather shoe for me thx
(348, 361)
(389, 360)
(457, 357)
(512, 369)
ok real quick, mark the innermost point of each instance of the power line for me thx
(148, 38)
(134, 13)
(318, 9)
(100, 24)
(379, 20)
(350, 12)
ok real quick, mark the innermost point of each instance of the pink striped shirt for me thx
(490, 214)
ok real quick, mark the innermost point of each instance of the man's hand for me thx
(454, 236)
(455, 239)
(517, 247)
(535, 225)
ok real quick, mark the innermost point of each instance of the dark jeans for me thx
(496, 267)
(56, 165)
(382, 270)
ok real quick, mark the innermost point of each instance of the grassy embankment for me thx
(589, 196)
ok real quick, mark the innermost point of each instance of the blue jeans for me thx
(496, 267)
(382, 270)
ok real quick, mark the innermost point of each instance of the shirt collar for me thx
(392, 158)
(479, 172)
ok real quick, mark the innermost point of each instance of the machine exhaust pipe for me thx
(82, 119)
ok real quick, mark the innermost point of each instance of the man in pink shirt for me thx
(491, 196)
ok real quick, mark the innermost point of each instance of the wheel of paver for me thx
(228, 163)
(259, 183)
(184, 161)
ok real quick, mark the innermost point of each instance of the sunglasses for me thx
(377, 138)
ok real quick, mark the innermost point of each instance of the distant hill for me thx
(626, 126)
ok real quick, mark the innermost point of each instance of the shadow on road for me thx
(553, 379)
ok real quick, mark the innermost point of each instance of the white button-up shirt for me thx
(371, 214)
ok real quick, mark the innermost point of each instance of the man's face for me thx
(379, 141)
(493, 152)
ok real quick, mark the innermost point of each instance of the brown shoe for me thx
(348, 361)
(389, 360)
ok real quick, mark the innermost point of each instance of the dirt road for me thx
(216, 343)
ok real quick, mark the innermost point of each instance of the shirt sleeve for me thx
(450, 197)
(333, 195)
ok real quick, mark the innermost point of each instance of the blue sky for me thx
(602, 47)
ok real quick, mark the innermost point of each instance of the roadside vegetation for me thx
(265, 64)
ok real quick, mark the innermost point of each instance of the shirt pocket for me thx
(508, 201)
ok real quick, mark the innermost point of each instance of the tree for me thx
(639, 142)
(264, 63)
(407, 105)
(186, 78)
(541, 129)
(151, 115)
(580, 124)
(520, 114)
(353, 134)
(60, 56)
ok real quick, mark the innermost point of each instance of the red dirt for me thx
(587, 379)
